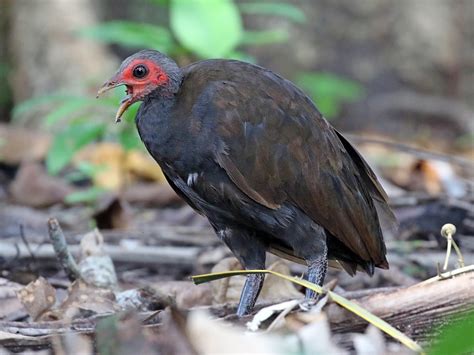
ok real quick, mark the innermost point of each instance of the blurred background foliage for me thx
(370, 65)
(198, 29)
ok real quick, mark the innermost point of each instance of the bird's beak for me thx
(126, 101)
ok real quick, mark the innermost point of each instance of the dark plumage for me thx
(251, 152)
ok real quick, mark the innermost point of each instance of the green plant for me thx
(330, 91)
(198, 28)
(455, 337)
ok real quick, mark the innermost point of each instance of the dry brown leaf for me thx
(37, 297)
(33, 187)
(185, 293)
(110, 157)
(84, 299)
(119, 166)
(275, 288)
(19, 144)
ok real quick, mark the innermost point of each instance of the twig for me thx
(25, 241)
(447, 275)
(61, 249)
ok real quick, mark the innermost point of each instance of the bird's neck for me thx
(158, 130)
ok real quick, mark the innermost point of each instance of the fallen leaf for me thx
(84, 300)
(33, 187)
(18, 144)
(111, 157)
(185, 294)
(37, 297)
(120, 167)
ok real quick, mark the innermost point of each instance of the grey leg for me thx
(250, 251)
(316, 273)
(308, 241)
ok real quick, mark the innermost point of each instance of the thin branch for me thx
(61, 249)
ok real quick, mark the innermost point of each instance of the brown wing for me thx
(277, 148)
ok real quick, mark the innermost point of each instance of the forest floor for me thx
(126, 286)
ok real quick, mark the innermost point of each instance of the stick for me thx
(142, 255)
(414, 310)
(61, 250)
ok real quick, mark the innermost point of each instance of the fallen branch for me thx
(139, 254)
(414, 310)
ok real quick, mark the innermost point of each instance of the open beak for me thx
(126, 101)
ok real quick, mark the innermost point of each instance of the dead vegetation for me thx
(126, 285)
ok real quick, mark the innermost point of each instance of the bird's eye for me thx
(140, 71)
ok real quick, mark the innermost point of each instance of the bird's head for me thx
(144, 73)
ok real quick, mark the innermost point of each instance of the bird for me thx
(250, 151)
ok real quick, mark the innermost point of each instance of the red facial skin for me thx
(142, 86)
(137, 88)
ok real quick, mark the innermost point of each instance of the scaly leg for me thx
(316, 273)
(250, 251)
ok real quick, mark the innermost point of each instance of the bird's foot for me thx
(252, 287)
(313, 304)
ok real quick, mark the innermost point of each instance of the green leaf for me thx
(131, 34)
(289, 11)
(85, 196)
(36, 102)
(344, 302)
(455, 337)
(72, 107)
(67, 142)
(209, 28)
(330, 91)
(163, 3)
(255, 38)
(242, 56)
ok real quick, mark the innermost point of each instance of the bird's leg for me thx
(316, 273)
(308, 241)
(250, 251)
(252, 287)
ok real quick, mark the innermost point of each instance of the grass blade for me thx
(343, 302)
